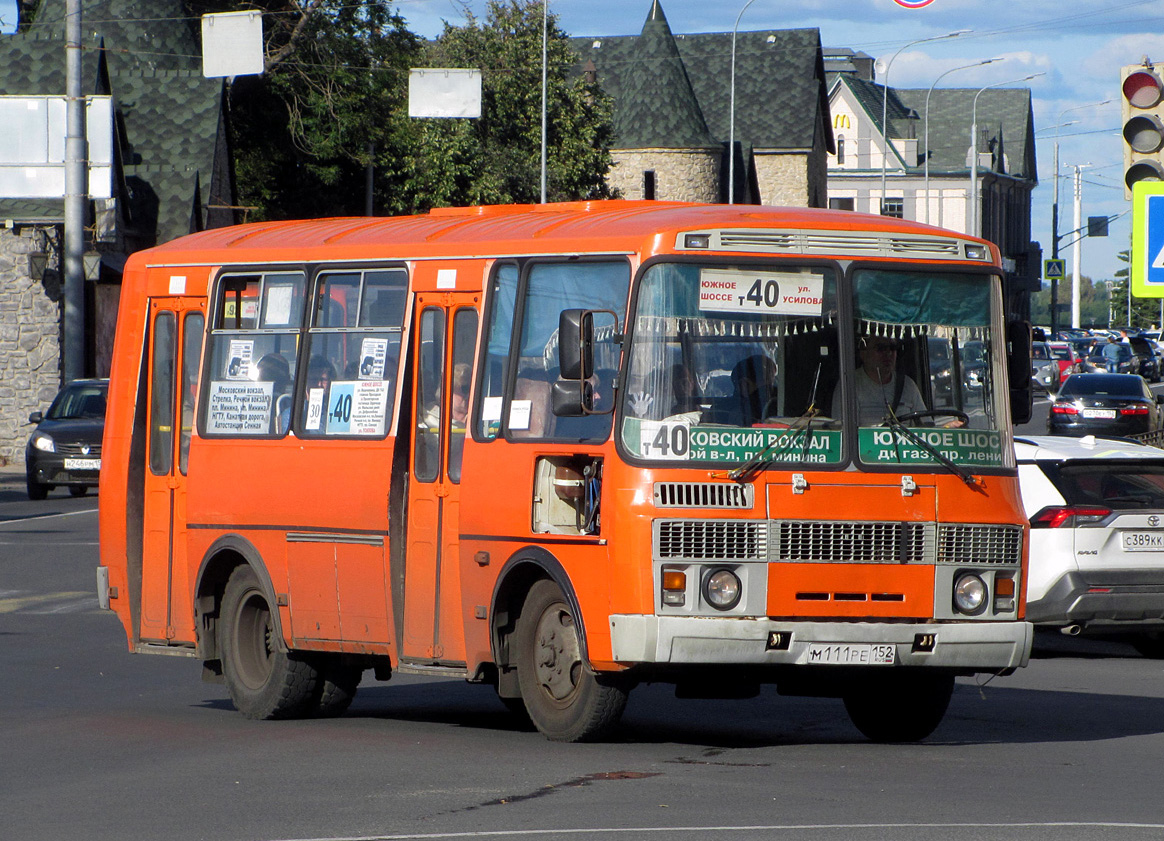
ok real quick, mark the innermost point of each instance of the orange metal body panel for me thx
(851, 591)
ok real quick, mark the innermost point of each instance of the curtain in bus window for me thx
(353, 353)
(162, 396)
(900, 298)
(253, 353)
(551, 288)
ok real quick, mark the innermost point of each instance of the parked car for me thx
(1044, 367)
(1068, 359)
(1104, 404)
(65, 447)
(1096, 508)
(1146, 358)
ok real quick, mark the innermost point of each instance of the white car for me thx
(1096, 507)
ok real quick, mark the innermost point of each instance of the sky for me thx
(1079, 47)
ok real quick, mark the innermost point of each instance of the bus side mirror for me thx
(569, 398)
(576, 344)
(1018, 370)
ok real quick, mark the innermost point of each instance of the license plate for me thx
(1142, 541)
(82, 464)
(826, 654)
(1099, 413)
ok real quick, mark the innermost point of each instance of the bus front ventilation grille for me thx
(711, 540)
(986, 544)
(702, 495)
(852, 542)
(834, 242)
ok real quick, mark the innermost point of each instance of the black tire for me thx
(264, 681)
(564, 698)
(337, 688)
(37, 490)
(78, 490)
(899, 707)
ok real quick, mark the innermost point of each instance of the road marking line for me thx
(11, 605)
(46, 516)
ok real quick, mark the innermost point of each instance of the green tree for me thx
(332, 107)
(497, 159)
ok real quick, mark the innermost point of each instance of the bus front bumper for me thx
(965, 646)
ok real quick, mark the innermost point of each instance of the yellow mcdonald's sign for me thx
(841, 121)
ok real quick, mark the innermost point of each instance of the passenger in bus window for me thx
(320, 373)
(753, 395)
(881, 388)
(459, 399)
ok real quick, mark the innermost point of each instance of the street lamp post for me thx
(927, 123)
(975, 222)
(545, 50)
(1055, 211)
(732, 112)
(885, 100)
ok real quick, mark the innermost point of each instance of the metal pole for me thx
(1055, 247)
(927, 127)
(1076, 247)
(76, 193)
(732, 112)
(885, 103)
(975, 223)
(545, 41)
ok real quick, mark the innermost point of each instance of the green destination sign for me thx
(969, 447)
(661, 440)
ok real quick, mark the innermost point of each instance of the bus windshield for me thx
(730, 362)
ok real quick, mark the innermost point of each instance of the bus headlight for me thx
(722, 589)
(970, 594)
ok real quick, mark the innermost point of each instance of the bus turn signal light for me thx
(674, 587)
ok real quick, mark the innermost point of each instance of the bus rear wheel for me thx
(264, 681)
(565, 699)
(899, 707)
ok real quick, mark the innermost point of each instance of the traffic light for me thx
(1143, 117)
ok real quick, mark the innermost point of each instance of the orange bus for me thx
(565, 449)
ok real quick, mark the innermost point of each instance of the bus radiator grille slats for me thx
(980, 544)
(823, 541)
(852, 542)
(715, 540)
(702, 495)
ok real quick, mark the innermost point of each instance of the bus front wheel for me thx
(264, 681)
(899, 707)
(565, 699)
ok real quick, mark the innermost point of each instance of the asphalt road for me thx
(100, 744)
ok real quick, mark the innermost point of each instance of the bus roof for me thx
(590, 227)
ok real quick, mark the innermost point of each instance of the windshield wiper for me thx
(970, 480)
(760, 462)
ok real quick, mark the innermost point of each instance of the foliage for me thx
(332, 108)
(1093, 303)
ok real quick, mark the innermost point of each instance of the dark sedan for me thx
(65, 447)
(1104, 404)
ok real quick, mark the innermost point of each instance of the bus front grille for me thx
(711, 540)
(852, 542)
(702, 495)
(980, 544)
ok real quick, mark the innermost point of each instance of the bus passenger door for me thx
(443, 341)
(174, 353)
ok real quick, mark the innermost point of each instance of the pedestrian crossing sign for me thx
(1054, 269)
(1148, 239)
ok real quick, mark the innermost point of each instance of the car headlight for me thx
(44, 443)
(970, 594)
(722, 589)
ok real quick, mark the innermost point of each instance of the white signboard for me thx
(444, 92)
(32, 146)
(240, 408)
(777, 293)
(232, 44)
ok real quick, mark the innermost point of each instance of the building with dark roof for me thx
(170, 175)
(927, 173)
(673, 126)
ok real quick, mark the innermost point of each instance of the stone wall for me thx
(680, 174)
(784, 180)
(30, 348)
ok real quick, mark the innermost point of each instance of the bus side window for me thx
(503, 291)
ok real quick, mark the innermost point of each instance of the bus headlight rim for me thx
(722, 588)
(970, 594)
